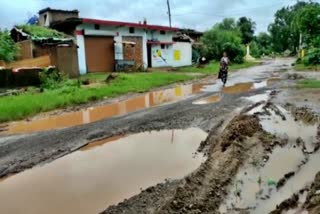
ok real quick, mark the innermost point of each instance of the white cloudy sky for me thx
(197, 14)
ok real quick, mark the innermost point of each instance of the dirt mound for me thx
(313, 198)
(286, 205)
(239, 129)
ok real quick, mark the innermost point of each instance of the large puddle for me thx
(208, 100)
(107, 111)
(103, 173)
(130, 105)
(256, 188)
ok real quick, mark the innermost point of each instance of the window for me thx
(131, 30)
(97, 27)
(163, 46)
(162, 32)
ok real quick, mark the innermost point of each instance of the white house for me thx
(103, 43)
(147, 45)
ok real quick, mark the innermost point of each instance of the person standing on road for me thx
(224, 67)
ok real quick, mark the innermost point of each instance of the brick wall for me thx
(133, 52)
(25, 50)
(40, 50)
(66, 60)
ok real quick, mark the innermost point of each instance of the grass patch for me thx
(213, 67)
(95, 77)
(311, 83)
(302, 67)
(39, 31)
(29, 104)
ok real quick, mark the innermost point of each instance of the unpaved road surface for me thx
(263, 140)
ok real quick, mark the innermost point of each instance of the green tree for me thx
(246, 27)
(228, 24)
(307, 22)
(263, 44)
(217, 40)
(284, 34)
(8, 48)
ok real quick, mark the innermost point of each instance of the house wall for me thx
(42, 50)
(117, 32)
(25, 50)
(182, 54)
(54, 16)
(141, 37)
(176, 55)
(155, 35)
(66, 60)
(161, 57)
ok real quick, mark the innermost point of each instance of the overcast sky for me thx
(197, 14)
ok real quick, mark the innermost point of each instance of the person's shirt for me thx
(225, 60)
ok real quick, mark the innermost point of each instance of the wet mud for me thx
(271, 183)
(263, 160)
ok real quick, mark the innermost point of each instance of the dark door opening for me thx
(149, 52)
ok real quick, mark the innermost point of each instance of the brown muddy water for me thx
(103, 112)
(103, 173)
(119, 108)
(208, 100)
(255, 187)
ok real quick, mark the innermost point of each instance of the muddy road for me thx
(251, 147)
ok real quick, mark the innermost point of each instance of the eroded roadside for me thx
(246, 143)
(264, 161)
(20, 152)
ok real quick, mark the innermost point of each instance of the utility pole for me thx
(169, 12)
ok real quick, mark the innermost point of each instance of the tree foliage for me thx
(228, 24)
(261, 45)
(246, 27)
(285, 30)
(313, 57)
(8, 48)
(307, 21)
(223, 37)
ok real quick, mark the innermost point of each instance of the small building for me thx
(49, 16)
(193, 34)
(36, 42)
(102, 44)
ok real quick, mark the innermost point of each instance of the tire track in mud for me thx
(243, 140)
(294, 153)
(204, 190)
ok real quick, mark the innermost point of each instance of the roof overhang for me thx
(129, 24)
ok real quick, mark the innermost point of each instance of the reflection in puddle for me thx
(208, 100)
(290, 128)
(258, 98)
(303, 178)
(238, 88)
(107, 111)
(103, 173)
(254, 188)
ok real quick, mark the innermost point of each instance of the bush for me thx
(312, 57)
(8, 48)
(235, 52)
(52, 79)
